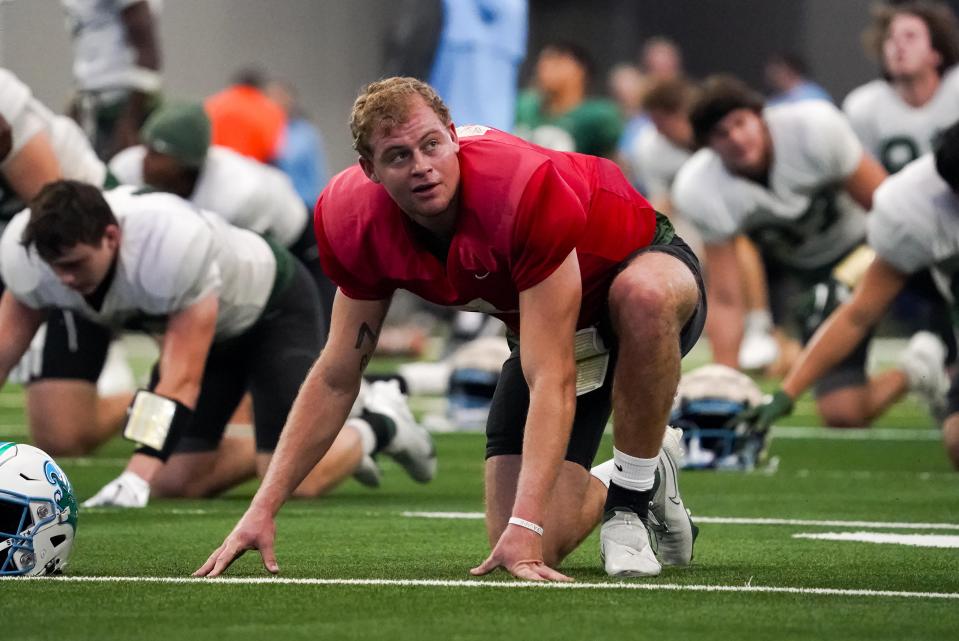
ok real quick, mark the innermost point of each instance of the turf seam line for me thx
(674, 587)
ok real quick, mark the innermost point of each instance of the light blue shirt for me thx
(301, 157)
(477, 60)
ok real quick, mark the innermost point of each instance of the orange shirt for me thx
(245, 120)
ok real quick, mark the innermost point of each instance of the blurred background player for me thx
(913, 226)
(245, 119)
(177, 157)
(787, 76)
(795, 179)
(897, 117)
(558, 114)
(660, 152)
(661, 58)
(476, 65)
(302, 156)
(116, 67)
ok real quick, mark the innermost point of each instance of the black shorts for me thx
(507, 416)
(270, 360)
(74, 348)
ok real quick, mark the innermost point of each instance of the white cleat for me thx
(673, 532)
(412, 446)
(368, 472)
(624, 547)
(924, 363)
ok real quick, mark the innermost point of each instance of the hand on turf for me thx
(520, 552)
(127, 490)
(255, 531)
(773, 408)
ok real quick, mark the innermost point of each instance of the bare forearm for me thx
(548, 426)
(837, 337)
(316, 418)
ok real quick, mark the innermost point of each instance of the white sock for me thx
(367, 436)
(633, 473)
(603, 472)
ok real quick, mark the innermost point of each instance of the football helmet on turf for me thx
(38, 512)
(707, 402)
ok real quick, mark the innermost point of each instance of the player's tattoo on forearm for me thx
(366, 332)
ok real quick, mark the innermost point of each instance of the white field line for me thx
(915, 540)
(731, 520)
(867, 434)
(431, 583)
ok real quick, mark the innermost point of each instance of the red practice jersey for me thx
(523, 209)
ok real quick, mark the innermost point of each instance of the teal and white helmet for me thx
(38, 512)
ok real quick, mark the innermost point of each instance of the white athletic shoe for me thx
(758, 348)
(624, 547)
(368, 472)
(924, 363)
(127, 490)
(673, 532)
(412, 446)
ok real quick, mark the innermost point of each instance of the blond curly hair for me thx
(385, 104)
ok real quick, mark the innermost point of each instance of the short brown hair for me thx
(939, 19)
(720, 95)
(64, 214)
(672, 95)
(386, 103)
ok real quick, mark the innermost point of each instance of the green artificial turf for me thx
(357, 533)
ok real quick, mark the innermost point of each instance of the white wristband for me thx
(529, 525)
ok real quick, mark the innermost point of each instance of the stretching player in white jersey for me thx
(897, 117)
(176, 156)
(235, 311)
(796, 179)
(914, 225)
(660, 152)
(116, 67)
(66, 415)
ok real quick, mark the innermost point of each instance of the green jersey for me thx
(592, 127)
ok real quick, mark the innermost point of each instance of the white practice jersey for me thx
(804, 218)
(28, 117)
(102, 57)
(895, 132)
(245, 192)
(171, 256)
(914, 223)
(656, 161)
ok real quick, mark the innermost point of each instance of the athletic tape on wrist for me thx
(156, 423)
(529, 525)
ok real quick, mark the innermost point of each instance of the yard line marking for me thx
(438, 583)
(866, 434)
(917, 540)
(732, 520)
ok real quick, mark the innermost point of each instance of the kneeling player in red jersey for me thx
(601, 297)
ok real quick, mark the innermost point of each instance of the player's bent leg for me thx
(67, 418)
(338, 464)
(657, 310)
(650, 303)
(194, 474)
(858, 405)
(573, 511)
